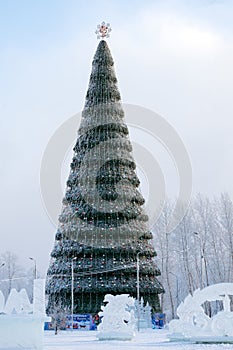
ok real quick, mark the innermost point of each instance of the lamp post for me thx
(138, 289)
(72, 292)
(177, 288)
(203, 258)
(138, 284)
(207, 306)
(35, 270)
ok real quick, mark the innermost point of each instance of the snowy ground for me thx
(145, 340)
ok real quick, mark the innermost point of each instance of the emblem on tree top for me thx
(103, 30)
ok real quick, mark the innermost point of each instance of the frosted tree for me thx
(225, 219)
(103, 227)
(163, 240)
(12, 274)
(198, 252)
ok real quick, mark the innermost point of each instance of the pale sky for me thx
(174, 57)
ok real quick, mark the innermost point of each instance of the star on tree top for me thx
(103, 30)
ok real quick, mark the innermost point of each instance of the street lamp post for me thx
(138, 284)
(138, 290)
(201, 252)
(72, 292)
(35, 270)
(177, 288)
(203, 258)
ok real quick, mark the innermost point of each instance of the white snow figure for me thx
(2, 301)
(17, 303)
(118, 321)
(194, 324)
(22, 323)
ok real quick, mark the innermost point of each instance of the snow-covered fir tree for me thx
(102, 227)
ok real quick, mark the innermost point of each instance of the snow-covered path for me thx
(145, 340)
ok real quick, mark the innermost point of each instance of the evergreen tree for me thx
(102, 226)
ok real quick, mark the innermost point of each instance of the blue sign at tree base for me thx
(158, 320)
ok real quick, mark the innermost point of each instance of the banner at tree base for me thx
(158, 320)
(81, 322)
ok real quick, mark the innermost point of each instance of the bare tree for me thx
(163, 243)
(59, 315)
(198, 253)
(13, 275)
(226, 223)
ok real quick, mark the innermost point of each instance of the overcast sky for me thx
(174, 57)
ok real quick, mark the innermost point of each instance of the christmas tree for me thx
(103, 229)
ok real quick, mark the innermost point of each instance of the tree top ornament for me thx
(103, 30)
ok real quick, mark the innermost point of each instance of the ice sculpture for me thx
(2, 302)
(143, 314)
(118, 320)
(22, 323)
(194, 324)
(17, 303)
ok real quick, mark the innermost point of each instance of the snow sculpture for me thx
(22, 323)
(143, 314)
(118, 320)
(39, 297)
(2, 302)
(194, 324)
(17, 303)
